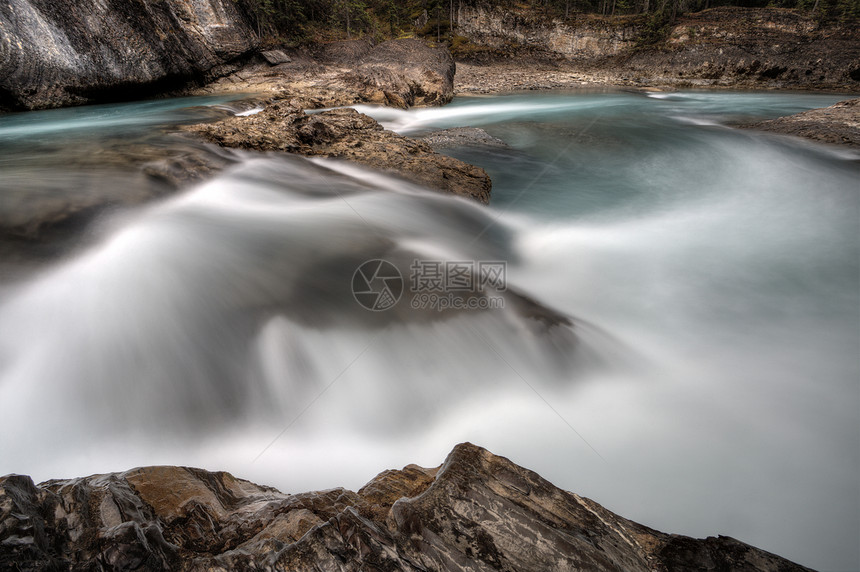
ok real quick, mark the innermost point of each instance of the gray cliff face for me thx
(476, 512)
(66, 52)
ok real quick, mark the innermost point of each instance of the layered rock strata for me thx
(476, 512)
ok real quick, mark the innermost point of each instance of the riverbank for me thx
(104, 55)
(838, 124)
(724, 47)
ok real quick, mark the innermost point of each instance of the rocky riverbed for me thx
(477, 511)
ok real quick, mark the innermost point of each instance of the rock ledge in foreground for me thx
(475, 512)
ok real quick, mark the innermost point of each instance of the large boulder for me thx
(64, 52)
(406, 73)
(475, 512)
(399, 73)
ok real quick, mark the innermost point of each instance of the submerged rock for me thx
(462, 136)
(46, 215)
(475, 512)
(347, 134)
(838, 124)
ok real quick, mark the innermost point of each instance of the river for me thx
(706, 383)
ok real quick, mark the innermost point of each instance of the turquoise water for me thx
(712, 276)
(603, 153)
(118, 118)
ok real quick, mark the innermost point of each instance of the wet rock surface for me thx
(347, 134)
(46, 216)
(64, 52)
(838, 124)
(475, 512)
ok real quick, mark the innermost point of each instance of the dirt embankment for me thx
(751, 48)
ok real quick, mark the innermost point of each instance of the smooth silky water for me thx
(708, 385)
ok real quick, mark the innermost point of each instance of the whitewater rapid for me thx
(678, 339)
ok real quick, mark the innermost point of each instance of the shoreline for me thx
(525, 79)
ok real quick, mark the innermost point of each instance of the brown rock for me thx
(400, 73)
(275, 57)
(476, 512)
(347, 134)
(406, 73)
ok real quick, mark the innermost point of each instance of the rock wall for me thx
(66, 52)
(476, 512)
(587, 38)
(763, 47)
(726, 46)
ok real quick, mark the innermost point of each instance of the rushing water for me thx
(708, 381)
